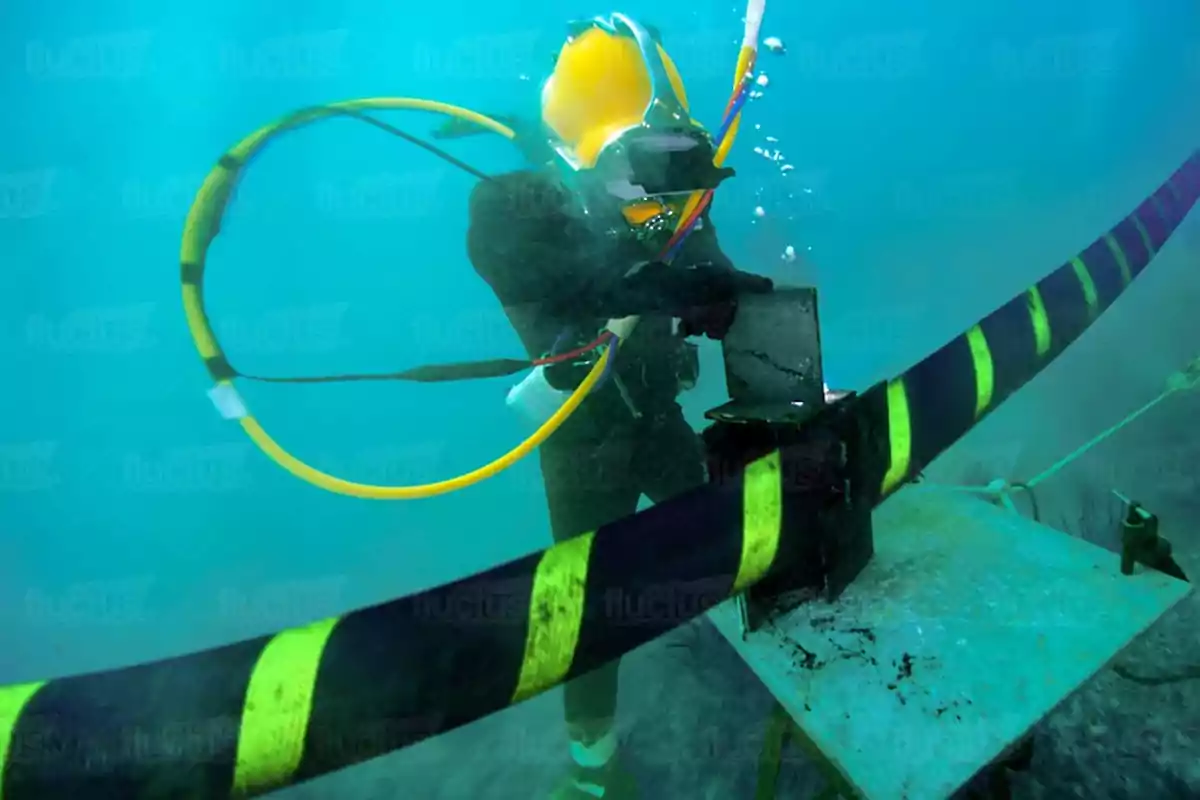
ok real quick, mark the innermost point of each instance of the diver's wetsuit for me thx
(546, 266)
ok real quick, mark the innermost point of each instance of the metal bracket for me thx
(1141, 544)
(778, 401)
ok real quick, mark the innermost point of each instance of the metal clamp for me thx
(1141, 543)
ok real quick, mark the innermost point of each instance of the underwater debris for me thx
(951, 706)
(801, 658)
(1188, 673)
(866, 633)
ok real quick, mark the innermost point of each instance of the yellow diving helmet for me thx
(617, 109)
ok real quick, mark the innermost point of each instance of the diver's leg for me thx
(588, 485)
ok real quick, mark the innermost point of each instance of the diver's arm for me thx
(723, 281)
(700, 275)
(515, 243)
(520, 240)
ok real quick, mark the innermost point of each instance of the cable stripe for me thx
(1043, 333)
(1065, 298)
(1133, 244)
(1119, 255)
(1104, 276)
(278, 705)
(1087, 286)
(1146, 241)
(13, 700)
(1169, 206)
(899, 437)
(985, 375)
(762, 514)
(555, 616)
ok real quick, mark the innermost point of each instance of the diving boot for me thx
(609, 782)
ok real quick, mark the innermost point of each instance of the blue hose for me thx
(611, 350)
(734, 110)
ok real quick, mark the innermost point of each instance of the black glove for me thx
(714, 317)
(678, 290)
(711, 321)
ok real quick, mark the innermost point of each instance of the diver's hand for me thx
(715, 318)
(711, 321)
(679, 290)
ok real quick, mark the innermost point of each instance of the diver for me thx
(573, 242)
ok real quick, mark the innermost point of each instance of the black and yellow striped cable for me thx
(257, 715)
(936, 402)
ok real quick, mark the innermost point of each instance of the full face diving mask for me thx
(652, 168)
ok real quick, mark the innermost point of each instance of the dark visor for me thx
(645, 162)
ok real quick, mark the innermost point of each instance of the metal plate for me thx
(969, 626)
(773, 349)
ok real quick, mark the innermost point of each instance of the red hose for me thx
(571, 355)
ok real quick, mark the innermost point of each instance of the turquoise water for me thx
(951, 155)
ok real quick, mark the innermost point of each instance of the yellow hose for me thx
(745, 63)
(203, 225)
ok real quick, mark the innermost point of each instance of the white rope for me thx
(999, 488)
(1095, 440)
(1002, 490)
